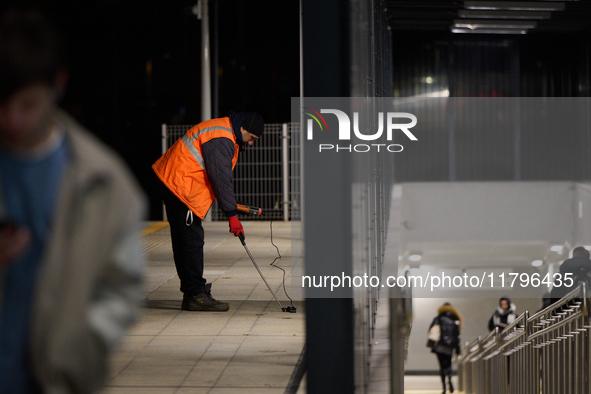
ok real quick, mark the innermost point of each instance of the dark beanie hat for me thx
(253, 123)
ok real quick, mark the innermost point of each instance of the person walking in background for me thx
(546, 301)
(573, 272)
(444, 339)
(193, 173)
(70, 215)
(503, 316)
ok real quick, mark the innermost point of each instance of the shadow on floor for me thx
(163, 304)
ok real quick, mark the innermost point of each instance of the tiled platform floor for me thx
(426, 385)
(379, 380)
(252, 348)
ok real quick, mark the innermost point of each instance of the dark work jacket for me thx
(217, 155)
(449, 322)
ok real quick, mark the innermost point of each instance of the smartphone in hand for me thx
(14, 241)
(7, 225)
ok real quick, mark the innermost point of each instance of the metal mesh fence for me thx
(295, 174)
(264, 175)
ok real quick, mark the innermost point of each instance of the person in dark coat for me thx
(503, 316)
(444, 339)
(578, 269)
(546, 301)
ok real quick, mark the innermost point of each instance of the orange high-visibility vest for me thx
(182, 168)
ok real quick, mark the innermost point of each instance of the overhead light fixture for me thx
(537, 263)
(489, 31)
(557, 249)
(492, 14)
(415, 257)
(515, 5)
(493, 24)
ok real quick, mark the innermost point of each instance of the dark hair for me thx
(580, 251)
(30, 51)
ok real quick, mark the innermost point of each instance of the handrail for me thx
(468, 348)
(555, 327)
(562, 301)
(547, 352)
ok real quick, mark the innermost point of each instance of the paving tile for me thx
(140, 390)
(193, 390)
(260, 375)
(127, 352)
(268, 345)
(239, 325)
(206, 373)
(223, 345)
(198, 323)
(141, 373)
(154, 321)
(252, 348)
(246, 390)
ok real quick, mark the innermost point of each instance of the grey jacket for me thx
(90, 280)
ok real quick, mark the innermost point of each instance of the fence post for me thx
(285, 166)
(164, 149)
(396, 341)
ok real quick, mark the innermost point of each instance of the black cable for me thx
(277, 258)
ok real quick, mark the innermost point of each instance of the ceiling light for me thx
(515, 5)
(493, 24)
(486, 14)
(557, 248)
(415, 257)
(490, 31)
(537, 263)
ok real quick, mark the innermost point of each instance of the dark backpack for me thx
(581, 276)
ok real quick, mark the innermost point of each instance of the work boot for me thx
(204, 302)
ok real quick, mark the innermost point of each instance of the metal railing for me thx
(266, 174)
(545, 353)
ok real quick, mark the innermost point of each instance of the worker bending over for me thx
(194, 172)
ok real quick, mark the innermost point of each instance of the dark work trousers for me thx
(444, 366)
(187, 242)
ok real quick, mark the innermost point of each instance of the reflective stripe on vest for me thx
(188, 141)
(182, 167)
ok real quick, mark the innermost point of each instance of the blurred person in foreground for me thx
(70, 267)
(444, 339)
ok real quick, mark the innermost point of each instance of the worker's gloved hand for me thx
(235, 226)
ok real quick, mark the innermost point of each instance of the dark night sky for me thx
(112, 44)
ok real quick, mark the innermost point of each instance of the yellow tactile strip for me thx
(151, 239)
(153, 228)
